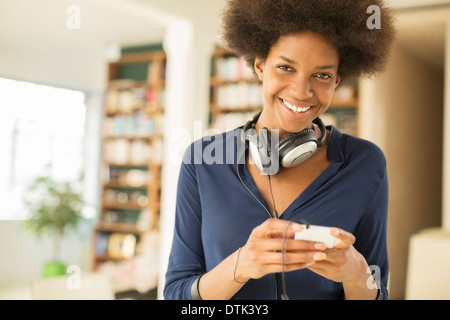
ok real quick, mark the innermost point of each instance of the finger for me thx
(321, 267)
(288, 245)
(297, 245)
(344, 238)
(277, 268)
(290, 258)
(272, 228)
(292, 267)
(303, 257)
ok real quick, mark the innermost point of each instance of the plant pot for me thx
(53, 269)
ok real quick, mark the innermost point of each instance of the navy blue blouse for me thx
(218, 205)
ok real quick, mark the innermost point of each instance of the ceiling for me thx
(423, 34)
(42, 25)
(29, 26)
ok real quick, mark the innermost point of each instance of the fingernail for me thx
(319, 246)
(319, 256)
(335, 232)
(297, 227)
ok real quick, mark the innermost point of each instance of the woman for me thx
(236, 219)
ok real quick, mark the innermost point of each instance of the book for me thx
(232, 68)
(101, 243)
(121, 245)
(238, 95)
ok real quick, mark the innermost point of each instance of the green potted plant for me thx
(54, 209)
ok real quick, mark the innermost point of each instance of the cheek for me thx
(270, 88)
(325, 94)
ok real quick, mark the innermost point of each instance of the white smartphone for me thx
(316, 234)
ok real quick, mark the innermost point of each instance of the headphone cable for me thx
(284, 295)
(275, 213)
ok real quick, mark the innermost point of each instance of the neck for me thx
(282, 133)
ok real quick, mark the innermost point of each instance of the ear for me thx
(338, 81)
(259, 68)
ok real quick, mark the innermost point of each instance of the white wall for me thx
(402, 111)
(402, 4)
(21, 254)
(188, 45)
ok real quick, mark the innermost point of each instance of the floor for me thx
(17, 291)
(22, 291)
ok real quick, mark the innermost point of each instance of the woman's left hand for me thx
(343, 263)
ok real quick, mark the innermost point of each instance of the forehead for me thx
(305, 46)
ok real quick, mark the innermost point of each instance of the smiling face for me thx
(299, 78)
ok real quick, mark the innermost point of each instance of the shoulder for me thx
(347, 148)
(361, 159)
(363, 149)
(361, 163)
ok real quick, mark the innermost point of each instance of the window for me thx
(41, 132)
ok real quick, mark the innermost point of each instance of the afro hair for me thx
(251, 27)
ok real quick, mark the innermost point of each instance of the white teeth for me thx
(294, 108)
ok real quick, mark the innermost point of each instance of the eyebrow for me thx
(330, 66)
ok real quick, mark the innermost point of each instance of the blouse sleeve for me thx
(371, 233)
(186, 261)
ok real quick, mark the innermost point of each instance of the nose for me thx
(301, 87)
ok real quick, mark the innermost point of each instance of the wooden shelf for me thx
(131, 155)
(235, 91)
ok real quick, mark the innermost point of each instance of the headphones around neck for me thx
(289, 152)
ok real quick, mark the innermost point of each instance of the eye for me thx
(284, 67)
(324, 76)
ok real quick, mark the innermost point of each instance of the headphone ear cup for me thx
(297, 147)
(254, 146)
(263, 153)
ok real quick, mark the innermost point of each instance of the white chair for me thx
(83, 286)
(428, 276)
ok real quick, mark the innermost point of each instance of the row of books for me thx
(231, 120)
(232, 69)
(141, 219)
(115, 245)
(130, 99)
(238, 95)
(123, 151)
(344, 119)
(138, 124)
(113, 195)
(128, 176)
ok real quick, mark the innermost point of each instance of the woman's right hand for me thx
(262, 254)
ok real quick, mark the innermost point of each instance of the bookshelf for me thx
(131, 162)
(236, 95)
(236, 92)
(343, 111)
